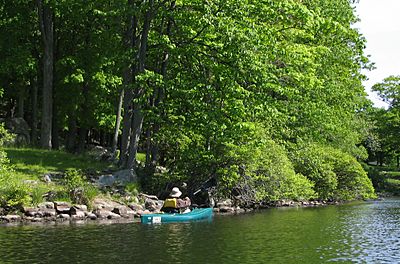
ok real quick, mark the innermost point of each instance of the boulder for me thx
(62, 207)
(78, 215)
(91, 216)
(226, 209)
(78, 209)
(48, 212)
(30, 211)
(100, 153)
(124, 211)
(64, 216)
(135, 207)
(48, 205)
(10, 218)
(106, 181)
(20, 128)
(153, 205)
(224, 203)
(113, 216)
(125, 176)
(102, 213)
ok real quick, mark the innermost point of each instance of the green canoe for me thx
(194, 215)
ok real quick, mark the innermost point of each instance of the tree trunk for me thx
(71, 138)
(21, 103)
(83, 131)
(136, 131)
(55, 136)
(129, 43)
(46, 29)
(159, 97)
(137, 122)
(34, 113)
(117, 122)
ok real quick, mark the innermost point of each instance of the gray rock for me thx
(21, 128)
(153, 205)
(124, 211)
(125, 176)
(48, 205)
(135, 207)
(46, 178)
(101, 213)
(106, 181)
(121, 210)
(10, 218)
(48, 212)
(61, 203)
(64, 216)
(100, 153)
(30, 211)
(63, 209)
(78, 215)
(226, 209)
(81, 207)
(74, 210)
(91, 216)
(113, 216)
(239, 210)
(224, 203)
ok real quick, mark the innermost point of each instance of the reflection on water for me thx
(352, 233)
(369, 233)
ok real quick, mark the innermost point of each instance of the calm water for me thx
(352, 233)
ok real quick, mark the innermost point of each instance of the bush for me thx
(336, 175)
(267, 170)
(37, 194)
(13, 193)
(80, 191)
(252, 168)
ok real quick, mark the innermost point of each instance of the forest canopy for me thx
(265, 96)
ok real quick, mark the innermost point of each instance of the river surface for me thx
(364, 232)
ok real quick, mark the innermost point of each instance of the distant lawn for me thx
(386, 179)
(34, 163)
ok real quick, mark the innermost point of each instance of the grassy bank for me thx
(385, 179)
(32, 164)
(22, 182)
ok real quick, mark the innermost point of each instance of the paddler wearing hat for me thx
(175, 204)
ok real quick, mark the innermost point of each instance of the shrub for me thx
(267, 170)
(336, 175)
(13, 193)
(80, 191)
(132, 188)
(37, 194)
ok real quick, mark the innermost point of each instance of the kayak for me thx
(194, 215)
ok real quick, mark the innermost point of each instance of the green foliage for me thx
(5, 136)
(37, 193)
(79, 189)
(336, 175)
(32, 161)
(206, 77)
(132, 188)
(267, 169)
(13, 193)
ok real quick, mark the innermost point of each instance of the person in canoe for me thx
(175, 204)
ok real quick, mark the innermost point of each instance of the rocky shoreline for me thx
(107, 211)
